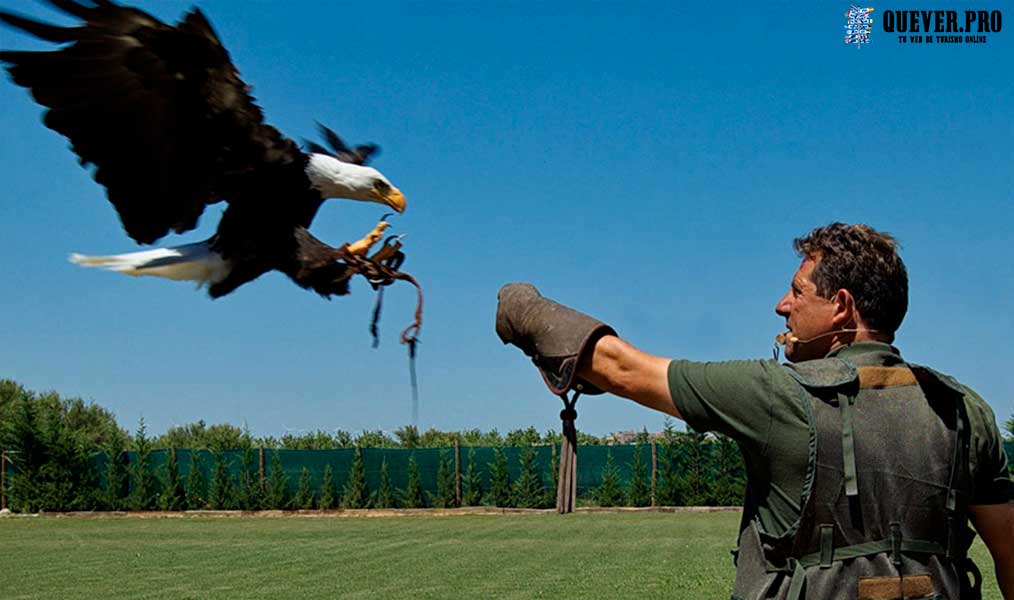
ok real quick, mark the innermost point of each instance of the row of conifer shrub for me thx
(692, 469)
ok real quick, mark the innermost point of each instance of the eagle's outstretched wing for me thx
(360, 155)
(159, 110)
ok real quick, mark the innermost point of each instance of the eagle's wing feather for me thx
(159, 110)
(360, 155)
(316, 148)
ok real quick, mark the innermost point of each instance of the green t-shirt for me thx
(758, 404)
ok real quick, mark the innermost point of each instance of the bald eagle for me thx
(162, 115)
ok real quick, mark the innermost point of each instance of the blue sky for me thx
(647, 163)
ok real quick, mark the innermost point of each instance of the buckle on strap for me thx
(896, 544)
(826, 546)
(848, 444)
(953, 541)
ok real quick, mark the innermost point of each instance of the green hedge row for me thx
(689, 469)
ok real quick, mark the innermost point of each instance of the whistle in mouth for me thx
(784, 338)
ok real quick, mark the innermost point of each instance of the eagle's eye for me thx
(381, 186)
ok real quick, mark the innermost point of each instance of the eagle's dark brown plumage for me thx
(170, 127)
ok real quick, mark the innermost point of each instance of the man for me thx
(863, 470)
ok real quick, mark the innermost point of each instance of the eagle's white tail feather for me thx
(192, 262)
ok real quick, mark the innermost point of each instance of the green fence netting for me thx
(591, 461)
(682, 459)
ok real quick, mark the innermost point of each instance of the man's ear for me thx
(844, 315)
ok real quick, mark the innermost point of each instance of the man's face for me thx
(807, 315)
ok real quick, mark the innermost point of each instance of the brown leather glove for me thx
(555, 336)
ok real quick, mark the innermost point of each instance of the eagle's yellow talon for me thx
(361, 247)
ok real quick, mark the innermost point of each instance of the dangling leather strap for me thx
(566, 489)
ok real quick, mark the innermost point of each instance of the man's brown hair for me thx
(865, 262)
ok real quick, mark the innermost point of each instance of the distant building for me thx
(629, 437)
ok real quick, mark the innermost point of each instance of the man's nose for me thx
(784, 306)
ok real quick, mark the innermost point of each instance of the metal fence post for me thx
(457, 473)
(3, 480)
(260, 467)
(654, 471)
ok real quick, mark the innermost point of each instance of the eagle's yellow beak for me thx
(394, 198)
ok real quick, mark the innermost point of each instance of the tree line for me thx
(95, 426)
(201, 435)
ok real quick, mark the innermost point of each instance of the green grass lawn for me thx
(633, 555)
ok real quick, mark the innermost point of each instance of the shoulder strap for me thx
(824, 373)
(938, 385)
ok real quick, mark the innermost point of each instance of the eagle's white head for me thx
(336, 179)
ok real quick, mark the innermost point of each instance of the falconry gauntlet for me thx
(556, 337)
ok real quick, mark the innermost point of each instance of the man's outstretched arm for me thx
(619, 368)
(570, 347)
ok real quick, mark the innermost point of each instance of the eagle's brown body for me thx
(162, 114)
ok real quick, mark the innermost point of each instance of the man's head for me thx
(851, 277)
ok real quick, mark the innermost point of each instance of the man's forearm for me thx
(618, 368)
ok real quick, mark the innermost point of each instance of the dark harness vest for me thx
(885, 502)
